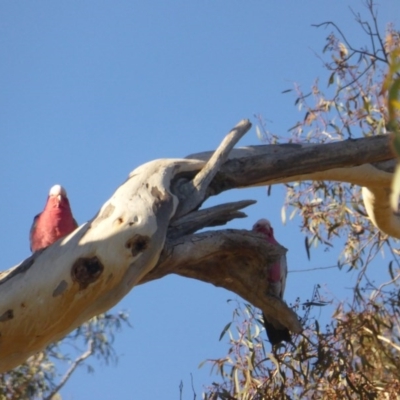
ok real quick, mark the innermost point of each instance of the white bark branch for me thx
(194, 190)
(137, 236)
(367, 162)
(89, 271)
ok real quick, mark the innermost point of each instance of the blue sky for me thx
(92, 89)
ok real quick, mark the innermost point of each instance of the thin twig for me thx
(353, 81)
(363, 52)
(194, 392)
(312, 269)
(379, 290)
(374, 15)
(395, 256)
(68, 374)
(181, 390)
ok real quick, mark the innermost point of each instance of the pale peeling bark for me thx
(237, 260)
(147, 230)
(367, 162)
(89, 271)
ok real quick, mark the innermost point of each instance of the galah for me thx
(54, 222)
(277, 273)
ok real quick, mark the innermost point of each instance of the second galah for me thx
(276, 332)
(54, 222)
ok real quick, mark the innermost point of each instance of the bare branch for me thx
(195, 190)
(312, 269)
(362, 52)
(263, 165)
(71, 370)
(352, 82)
(237, 260)
(213, 216)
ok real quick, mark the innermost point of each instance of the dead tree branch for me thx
(146, 231)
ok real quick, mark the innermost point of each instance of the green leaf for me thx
(391, 269)
(283, 215)
(331, 79)
(259, 133)
(307, 244)
(367, 104)
(202, 363)
(380, 127)
(227, 326)
(293, 214)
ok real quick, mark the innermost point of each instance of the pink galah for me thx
(277, 273)
(54, 222)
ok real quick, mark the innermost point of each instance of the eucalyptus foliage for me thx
(357, 354)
